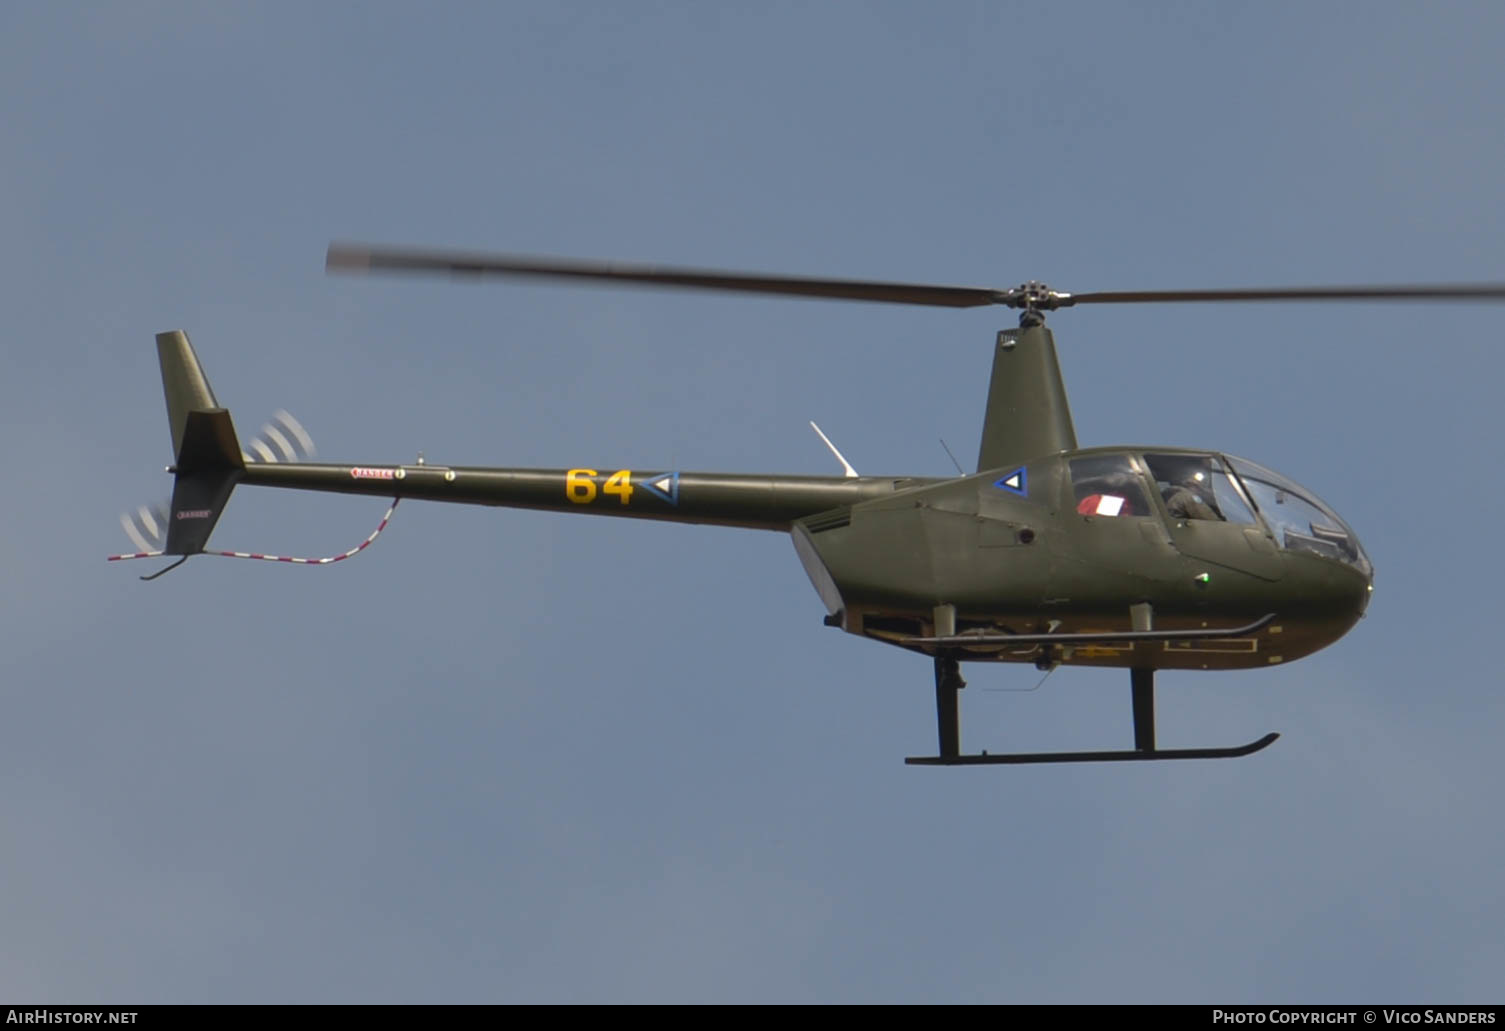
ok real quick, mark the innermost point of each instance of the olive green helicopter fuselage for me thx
(1135, 557)
(1131, 557)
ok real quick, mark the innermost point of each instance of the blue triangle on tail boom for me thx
(664, 486)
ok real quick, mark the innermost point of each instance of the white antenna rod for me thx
(839, 457)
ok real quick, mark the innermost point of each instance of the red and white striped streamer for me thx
(362, 546)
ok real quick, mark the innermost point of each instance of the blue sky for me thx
(510, 756)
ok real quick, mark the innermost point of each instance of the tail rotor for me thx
(147, 529)
(210, 460)
(281, 439)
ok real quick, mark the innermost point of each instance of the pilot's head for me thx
(1191, 473)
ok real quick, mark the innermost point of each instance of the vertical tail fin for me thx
(282, 439)
(209, 460)
(183, 382)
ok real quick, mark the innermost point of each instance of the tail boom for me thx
(721, 499)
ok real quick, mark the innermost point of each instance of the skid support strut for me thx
(948, 684)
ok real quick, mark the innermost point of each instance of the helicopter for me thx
(1050, 554)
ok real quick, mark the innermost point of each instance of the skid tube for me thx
(1092, 757)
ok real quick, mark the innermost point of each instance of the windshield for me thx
(1299, 520)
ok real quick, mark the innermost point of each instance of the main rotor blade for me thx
(350, 257)
(1443, 292)
(362, 258)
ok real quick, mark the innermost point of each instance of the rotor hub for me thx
(1033, 299)
(1036, 296)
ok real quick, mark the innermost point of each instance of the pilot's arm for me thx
(1184, 503)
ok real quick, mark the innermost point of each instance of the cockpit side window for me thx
(1108, 485)
(1198, 487)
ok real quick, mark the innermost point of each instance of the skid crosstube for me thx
(1092, 757)
(1102, 637)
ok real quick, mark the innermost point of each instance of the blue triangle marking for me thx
(664, 486)
(1016, 482)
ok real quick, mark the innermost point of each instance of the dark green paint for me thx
(720, 499)
(889, 550)
(961, 569)
(1027, 414)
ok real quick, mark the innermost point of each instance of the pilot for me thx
(1188, 492)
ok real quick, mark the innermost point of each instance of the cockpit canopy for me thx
(1218, 488)
(1298, 518)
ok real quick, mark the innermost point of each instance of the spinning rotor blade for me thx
(348, 257)
(1455, 292)
(360, 258)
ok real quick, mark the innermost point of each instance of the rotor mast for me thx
(1027, 414)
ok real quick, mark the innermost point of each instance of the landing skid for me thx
(1092, 757)
(949, 683)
